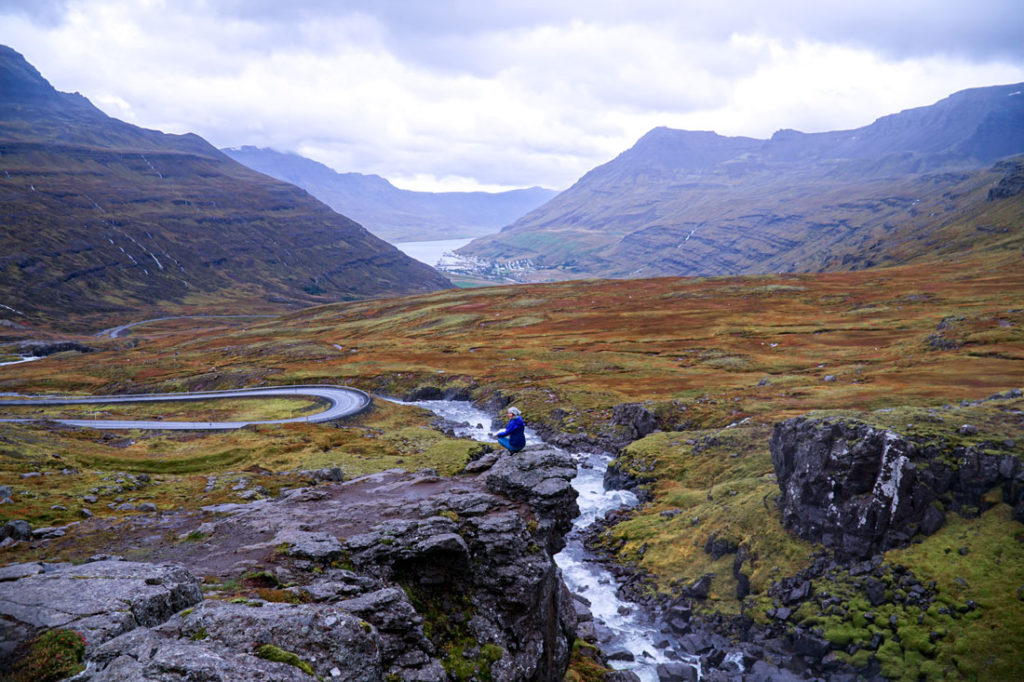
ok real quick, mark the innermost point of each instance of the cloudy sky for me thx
(491, 94)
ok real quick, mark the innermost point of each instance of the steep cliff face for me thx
(391, 576)
(859, 489)
(102, 217)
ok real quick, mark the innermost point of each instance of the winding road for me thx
(344, 402)
(115, 332)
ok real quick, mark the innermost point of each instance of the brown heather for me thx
(702, 353)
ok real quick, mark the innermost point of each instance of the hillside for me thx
(394, 214)
(103, 220)
(696, 203)
(686, 376)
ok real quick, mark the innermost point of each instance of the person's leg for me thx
(503, 442)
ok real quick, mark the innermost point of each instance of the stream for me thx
(621, 626)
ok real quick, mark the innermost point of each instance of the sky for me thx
(457, 95)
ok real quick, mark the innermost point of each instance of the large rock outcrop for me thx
(859, 489)
(391, 576)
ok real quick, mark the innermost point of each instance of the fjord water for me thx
(430, 252)
(620, 625)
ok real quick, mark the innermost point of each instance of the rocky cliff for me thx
(859, 489)
(391, 576)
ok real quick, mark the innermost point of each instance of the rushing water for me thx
(621, 626)
(24, 358)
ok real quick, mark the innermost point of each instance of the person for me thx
(513, 438)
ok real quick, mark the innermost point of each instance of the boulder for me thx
(233, 641)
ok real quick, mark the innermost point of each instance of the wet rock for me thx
(676, 672)
(218, 640)
(622, 676)
(101, 599)
(541, 478)
(633, 420)
(700, 589)
(318, 546)
(860, 490)
(621, 655)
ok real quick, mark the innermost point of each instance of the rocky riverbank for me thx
(877, 599)
(390, 576)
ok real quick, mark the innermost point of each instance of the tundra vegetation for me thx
(716, 361)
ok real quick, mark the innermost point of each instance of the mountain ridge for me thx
(104, 219)
(768, 204)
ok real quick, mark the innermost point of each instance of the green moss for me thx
(53, 655)
(843, 633)
(471, 662)
(708, 483)
(200, 634)
(446, 615)
(273, 653)
(585, 664)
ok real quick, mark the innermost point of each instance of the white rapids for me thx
(621, 626)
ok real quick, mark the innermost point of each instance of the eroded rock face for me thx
(860, 490)
(391, 572)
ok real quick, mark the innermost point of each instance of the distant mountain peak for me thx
(20, 82)
(391, 213)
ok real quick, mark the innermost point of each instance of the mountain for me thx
(904, 188)
(394, 214)
(102, 218)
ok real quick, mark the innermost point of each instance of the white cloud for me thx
(505, 93)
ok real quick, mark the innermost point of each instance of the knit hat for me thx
(515, 411)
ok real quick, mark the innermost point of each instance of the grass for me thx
(700, 354)
(708, 485)
(75, 464)
(52, 655)
(981, 560)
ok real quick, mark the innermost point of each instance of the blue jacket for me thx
(516, 432)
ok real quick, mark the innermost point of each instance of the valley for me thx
(654, 366)
(803, 357)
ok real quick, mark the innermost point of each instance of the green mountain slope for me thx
(102, 220)
(391, 213)
(696, 203)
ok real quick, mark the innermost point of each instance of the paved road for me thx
(115, 332)
(343, 401)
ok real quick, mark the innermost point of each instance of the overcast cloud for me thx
(464, 94)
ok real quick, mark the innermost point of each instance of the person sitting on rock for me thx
(513, 438)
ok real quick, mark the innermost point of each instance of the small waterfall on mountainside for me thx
(620, 626)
